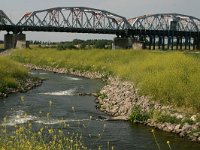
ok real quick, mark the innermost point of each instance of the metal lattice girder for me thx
(4, 20)
(176, 22)
(75, 18)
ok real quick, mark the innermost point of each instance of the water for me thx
(66, 107)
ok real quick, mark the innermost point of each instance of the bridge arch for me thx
(168, 21)
(75, 19)
(4, 20)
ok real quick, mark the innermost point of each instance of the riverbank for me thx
(168, 78)
(14, 77)
(22, 86)
(121, 100)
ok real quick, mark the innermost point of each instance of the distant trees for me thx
(75, 44)
(88, 44)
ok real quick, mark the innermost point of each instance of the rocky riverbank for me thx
(120, 99)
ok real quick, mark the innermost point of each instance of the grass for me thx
(11, 74)
(168, 77)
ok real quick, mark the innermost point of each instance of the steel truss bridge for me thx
(163, 31)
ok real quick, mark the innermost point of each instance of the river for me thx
(58, 95)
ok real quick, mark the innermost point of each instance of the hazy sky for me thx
(15, 9)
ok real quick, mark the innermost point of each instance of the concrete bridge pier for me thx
(9, 41)
(198, 44)
(14, 41)
(122, 43)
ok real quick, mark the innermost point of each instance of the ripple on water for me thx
(18, 117)
(70, 92)
(72, 78)
(38, 73)
(47, 121)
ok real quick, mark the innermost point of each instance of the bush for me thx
(138, 115)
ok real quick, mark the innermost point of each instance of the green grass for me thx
(11, 74)
(168, 77)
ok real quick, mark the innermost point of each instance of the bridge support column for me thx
(163, 43)
(14, 41)
(186, 42)
(9, 41)
(21, 41)
(150, 42)
(198, 44)
(181, 42)
(177, 42)
(154, 42)
(122, 43)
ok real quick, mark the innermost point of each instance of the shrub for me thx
(138, 115)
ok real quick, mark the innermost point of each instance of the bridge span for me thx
(155, 31)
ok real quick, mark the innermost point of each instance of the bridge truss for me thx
(166, 31)
(74, 19)
(162, 31)
(5, 22)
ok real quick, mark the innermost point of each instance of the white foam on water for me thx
(43, 73)
(72, 78)
(61, 93)
(19, 117)
(35, 73)
(57, 121)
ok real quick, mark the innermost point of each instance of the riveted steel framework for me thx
(166, 31)
(162, 31)
(176, 22)
(5, 22)
(75, 19)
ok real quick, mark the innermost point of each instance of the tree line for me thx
(76, 44)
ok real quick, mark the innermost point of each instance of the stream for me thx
(58, 96)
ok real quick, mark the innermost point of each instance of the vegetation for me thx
(139, 115)
(75, 44)
(168, 77)
(88, 44)
(30, 136)
(11, 74)
(23, 137)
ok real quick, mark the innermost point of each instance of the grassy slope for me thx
(11, 73)
(171, 78)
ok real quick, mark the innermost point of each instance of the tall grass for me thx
(11, 73)
(170, 77)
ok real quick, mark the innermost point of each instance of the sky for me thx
(15, 9)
